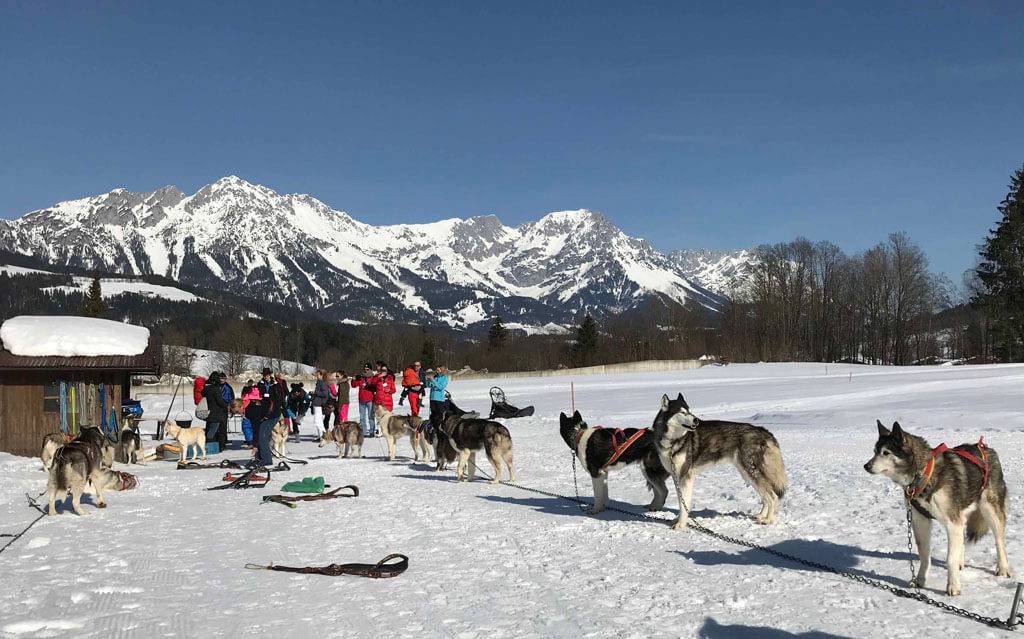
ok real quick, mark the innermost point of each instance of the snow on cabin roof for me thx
(58, 336)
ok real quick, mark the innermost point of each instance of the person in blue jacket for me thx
(229, 394)
(437, 387)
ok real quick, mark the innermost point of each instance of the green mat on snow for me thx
(307, 485)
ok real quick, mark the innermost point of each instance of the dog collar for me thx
(921, 480)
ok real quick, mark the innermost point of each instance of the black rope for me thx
(17, 536)
(1009, 624)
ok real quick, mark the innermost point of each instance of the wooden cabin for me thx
(43, 394)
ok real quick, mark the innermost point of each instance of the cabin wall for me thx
(23, 421)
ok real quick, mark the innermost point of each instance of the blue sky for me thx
(691, 126)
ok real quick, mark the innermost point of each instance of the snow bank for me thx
(44, 335)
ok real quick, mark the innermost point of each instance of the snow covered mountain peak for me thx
(296, 250)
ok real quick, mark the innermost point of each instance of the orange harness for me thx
(915, 489)
(618, 449)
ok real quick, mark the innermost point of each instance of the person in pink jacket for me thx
(385, 388)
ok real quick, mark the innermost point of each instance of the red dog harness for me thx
(615, 445)
(915, 489)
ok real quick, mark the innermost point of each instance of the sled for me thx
(501, 409)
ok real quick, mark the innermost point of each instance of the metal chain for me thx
(910, 551)
(579, 501)
(1009, 624)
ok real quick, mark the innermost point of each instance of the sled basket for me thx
(501, 409)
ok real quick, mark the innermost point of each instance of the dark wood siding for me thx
(23, 423)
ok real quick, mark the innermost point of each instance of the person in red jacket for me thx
(385, 388)
(412, 387)
(367, 389)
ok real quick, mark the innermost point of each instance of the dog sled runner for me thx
(383, 569)
(501, 409)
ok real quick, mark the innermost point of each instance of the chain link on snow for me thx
(910, 551)
(1009, 624)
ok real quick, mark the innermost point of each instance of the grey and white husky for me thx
(952, 489)
(687, 445)
(129, 446)
(595, 448)
(393, 427)
(348, 436)
(75, 465)
(470, 435)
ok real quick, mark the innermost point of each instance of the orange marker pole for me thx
(572, 392)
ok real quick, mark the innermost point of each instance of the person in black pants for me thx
(272, 397)
(217, 421)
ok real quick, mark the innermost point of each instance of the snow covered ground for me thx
(167, 558)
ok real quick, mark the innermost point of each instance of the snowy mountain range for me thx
(721, 272)
(296, 250)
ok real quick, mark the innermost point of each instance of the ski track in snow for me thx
(166, 559)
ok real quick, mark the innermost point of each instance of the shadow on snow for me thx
(714, 630)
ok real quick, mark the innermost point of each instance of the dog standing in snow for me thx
(962, 488)
(187, 438)
(687, 444)
(597, 447)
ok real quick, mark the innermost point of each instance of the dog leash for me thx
(380, 570)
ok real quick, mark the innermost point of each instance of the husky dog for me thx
(129, 447)
(94, 437)
(348, 436)
(687, 444)
(444, 449)
(394, 426)
(952, 489)
(75, 465)
(470, 435)
(279, 439)
(595, 448)
(51, 443)
(187, 438)
(71, 472)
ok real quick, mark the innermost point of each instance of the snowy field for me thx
(167, 558)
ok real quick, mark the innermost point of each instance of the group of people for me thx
(264, 403)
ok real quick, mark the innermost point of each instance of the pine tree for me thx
(585, 347)
(1001, 274)
(94, 305)
(428, 353)
(497, 335)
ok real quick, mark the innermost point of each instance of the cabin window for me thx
(51, 397)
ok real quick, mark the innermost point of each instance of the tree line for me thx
(809, 301)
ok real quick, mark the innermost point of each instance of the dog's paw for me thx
(952, 590)
(652, 508)
(680, 524)
(1003, 572)
(595, 510)
(102, 504)
(764, 521)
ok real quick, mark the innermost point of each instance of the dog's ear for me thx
(897, 432)
(562, 418)
(576, 415)
(882, 430)
(664, 402)
(683, 401)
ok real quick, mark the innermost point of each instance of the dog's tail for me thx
(774, 470)
(977, 526)
(61, 467)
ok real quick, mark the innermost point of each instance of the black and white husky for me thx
(687, 445)
(961, 487)
(595, 448)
